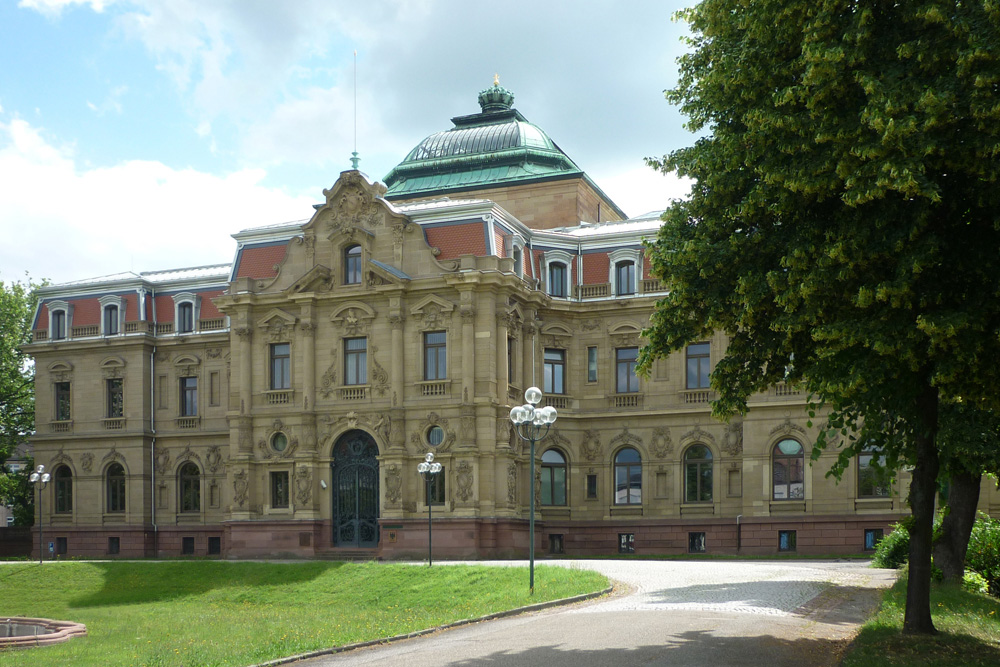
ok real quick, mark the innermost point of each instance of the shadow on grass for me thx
(144, 582)
(882, 646)
(694, 647)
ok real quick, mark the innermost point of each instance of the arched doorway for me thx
(355, 491)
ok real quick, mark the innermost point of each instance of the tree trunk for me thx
(923, 488)
(963, 499)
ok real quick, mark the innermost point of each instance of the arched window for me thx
(110, 320)
(116, 488)
(553, 478)
(64, 489)
(625, 278)
(58, 326)
(788, 464)
(352, 265)
(698, 474)
(190, 488)
(185, 317)
(628, 477)
(557, 279)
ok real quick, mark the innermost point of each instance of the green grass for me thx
(968, 632)
(221, 613)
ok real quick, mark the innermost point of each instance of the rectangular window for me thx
(110, 320)
(435, 488)
(114, 546)
(189, 397)
(511, 366)
(214, 546)
(872, 537)
(873, 478)
(626, 543)
(591, 487)
(557, 279)
(58, 325)
(185, 317)
(697, 543)
(116, 399)
(556, 543)
(786, 540)
(214, 389)
(281, 366)
(279, 489)
(187, 546)
(62, 547)
(624, 278)
(355, 361)
(627, 381)
(62, 402)
(591, 364)
(435, 355)
(554, 381)
(697, 366)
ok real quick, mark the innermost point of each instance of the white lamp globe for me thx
(533, 395)
(435, 468)
(429, 457)
(423, 467)
(45, 478)
(515, 414)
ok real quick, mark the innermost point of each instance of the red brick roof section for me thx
(259, 262)
(208, 309)
(86, 312)
(456, 240)
(164, 309)
(43, 318)
(501, 247)
(132, 307)
(595, 268)
(647, 266)
(165, 306)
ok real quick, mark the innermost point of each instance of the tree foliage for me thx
(17, 392)
(843, 223)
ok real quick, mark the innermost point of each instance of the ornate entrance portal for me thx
(355, 491)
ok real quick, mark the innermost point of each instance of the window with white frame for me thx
(624, 271)
(59, 320)
(558, 270)
(186, 312)
(112, 315)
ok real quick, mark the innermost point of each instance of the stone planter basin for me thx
(28, 632)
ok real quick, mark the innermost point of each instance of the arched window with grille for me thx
(115, 478)
(64, 489)
(698, 474)
(189, 488)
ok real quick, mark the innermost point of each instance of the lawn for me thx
(222, 613)
(968, 632)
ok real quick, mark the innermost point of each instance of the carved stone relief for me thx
(87, 461)
(464, 479)
(511, 483)
(787, 428)
(591, 445)
(214, 458)
(393, 483)
(732, 440)
(418, 440)
(661, 443)
(240, 487)
(303, 485)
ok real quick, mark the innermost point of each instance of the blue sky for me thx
(140, 134)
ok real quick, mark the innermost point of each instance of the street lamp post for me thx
(532, 425)
(40, 479)
(428, 469)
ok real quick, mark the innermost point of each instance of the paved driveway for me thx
(665, 613)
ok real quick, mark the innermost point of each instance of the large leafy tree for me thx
(843, 228)
(17, 395)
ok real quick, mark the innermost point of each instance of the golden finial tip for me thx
(496, 79)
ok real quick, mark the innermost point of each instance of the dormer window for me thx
(58, 326)
(185, 317)
(110, 320)
(624, 278)
(352, 265)
(557, 279)
(518, 263)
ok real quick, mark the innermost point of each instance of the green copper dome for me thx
(493, 148)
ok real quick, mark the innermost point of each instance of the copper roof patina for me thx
(495, 147)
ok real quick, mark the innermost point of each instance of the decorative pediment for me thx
(353, 202)
(113, 367)
(625, 334)
(60, 371)
(277, 325)
(556, 335)
(317, 279)
(187, 364)
(624, 439)
(698, 434)
(787, 428)
(432, 311)
(354, 317)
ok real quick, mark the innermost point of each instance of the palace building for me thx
(279, 405)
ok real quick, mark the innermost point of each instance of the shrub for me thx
(975, 582)
(983, 556)
(894, 549)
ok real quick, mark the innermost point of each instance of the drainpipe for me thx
(152, 428)
(739, 532)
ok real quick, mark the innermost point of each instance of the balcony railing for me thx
(187, 422)
(630, 400)
(164, 328)
(782, 389)
(40, 335)
(62, 426)
(435, 388)
(697, 396)
(651, 285)
(114, 424)
(137, 327)
(90, 330)
(212, 325)
(358, 393)
(558, 402)
(592, 291)
(279, 396)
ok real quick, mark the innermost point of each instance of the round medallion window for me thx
(278, 442)
(435, 436)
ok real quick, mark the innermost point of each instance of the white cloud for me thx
(53, 8)
(641, 190)
(64, 222)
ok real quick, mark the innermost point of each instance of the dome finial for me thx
(496, 97)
